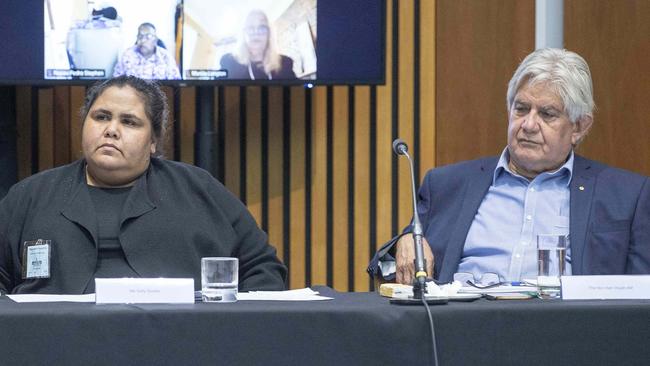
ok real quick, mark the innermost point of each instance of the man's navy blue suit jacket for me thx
(609, 222)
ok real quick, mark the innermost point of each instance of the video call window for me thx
(249, 39)
(100, 39)
(220, 39)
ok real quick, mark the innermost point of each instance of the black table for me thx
(352, 329)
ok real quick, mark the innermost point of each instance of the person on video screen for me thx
(257, 56)
(148, 58)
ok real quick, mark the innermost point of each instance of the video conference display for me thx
(294, 41)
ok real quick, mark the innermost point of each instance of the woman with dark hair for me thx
(121, 211)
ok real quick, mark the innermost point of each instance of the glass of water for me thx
(551, 264)
(219, 279)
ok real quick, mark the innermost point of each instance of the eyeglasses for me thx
(488, 280)
(145, 36)
(260, 29)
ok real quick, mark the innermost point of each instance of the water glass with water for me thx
(551, 264)
(219, 279)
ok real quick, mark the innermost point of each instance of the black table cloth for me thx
(352, 329)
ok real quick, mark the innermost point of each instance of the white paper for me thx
(52, 298)
(606, 287)
(303, 294)
(446, 290)
(144, 290)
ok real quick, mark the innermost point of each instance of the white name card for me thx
(144, 290)
(606, 287)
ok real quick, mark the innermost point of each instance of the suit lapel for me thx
(582, 190)
(476, 190)
(138, 202)
(79, 207)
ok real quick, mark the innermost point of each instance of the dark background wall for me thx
(315, 167)
(8, 159)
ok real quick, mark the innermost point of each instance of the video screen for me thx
(193, 42)
(249, 40)
(102, 39)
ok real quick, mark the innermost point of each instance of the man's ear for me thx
(580, 129)
(153, 147)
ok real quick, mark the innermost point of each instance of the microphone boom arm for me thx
(419, 282)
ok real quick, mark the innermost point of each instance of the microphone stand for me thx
(420, 280)
(420, 264)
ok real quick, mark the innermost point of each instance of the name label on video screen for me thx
(67, 73)
(207, 74)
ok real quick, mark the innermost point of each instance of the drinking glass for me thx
(551, 264)
(219, 279)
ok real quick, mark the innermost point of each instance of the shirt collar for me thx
(154, 58)
(565, 171)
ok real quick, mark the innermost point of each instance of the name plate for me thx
(606, 287)
(144, 290)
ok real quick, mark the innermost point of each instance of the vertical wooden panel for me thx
(427, 100)
(340, 189)
(77, 94)
(232, 168)
(478, 46)
(45, 129)
(188, 124)
(24, 131)
(384, 141)
(405, 109)
(254, 152)
(614, 39)
(319, 187)
(297, 273)
(61, 125)
(168, 143)
(276, 141)
(361, 182)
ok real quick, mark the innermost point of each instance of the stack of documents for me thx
(449, 291)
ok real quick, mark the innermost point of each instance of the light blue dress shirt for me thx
(503, 236)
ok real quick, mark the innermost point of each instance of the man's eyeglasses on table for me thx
(487, 280)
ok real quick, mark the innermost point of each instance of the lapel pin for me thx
(582, 188)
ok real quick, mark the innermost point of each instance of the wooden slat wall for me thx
(315, 166)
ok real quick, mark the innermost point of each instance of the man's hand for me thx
(404, 257)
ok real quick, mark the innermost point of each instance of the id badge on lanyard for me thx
(36, 259)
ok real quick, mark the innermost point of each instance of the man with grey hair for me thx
(480, 218)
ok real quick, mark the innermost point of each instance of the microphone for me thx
(419, 282)
(400, 147)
